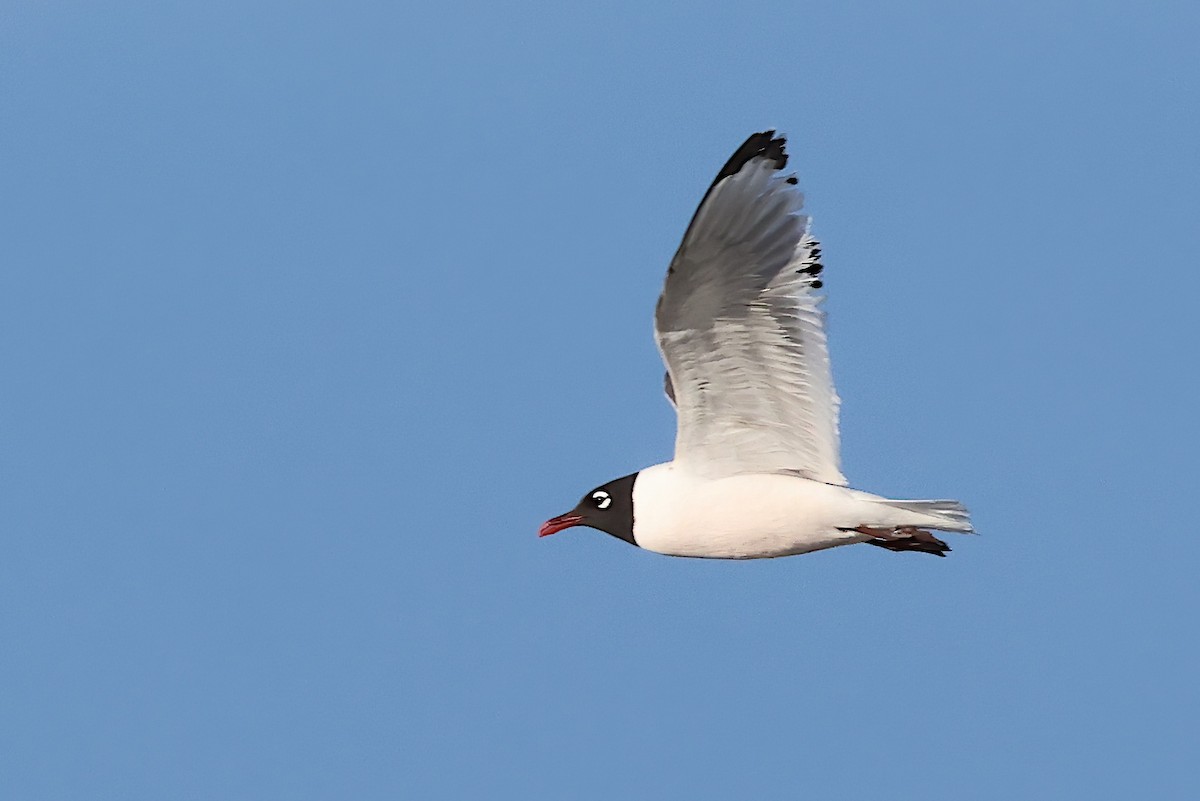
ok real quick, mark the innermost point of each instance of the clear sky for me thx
(310, 314)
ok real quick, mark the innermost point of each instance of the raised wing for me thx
(741, 331)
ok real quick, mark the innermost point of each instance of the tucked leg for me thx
(904, 539)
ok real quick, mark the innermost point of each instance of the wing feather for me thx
(741, 331)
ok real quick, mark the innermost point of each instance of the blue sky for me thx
(312, 313)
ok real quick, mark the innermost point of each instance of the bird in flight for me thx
(756, 470)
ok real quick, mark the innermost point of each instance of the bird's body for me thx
(756, 471)
(682, 514)
(761, 515)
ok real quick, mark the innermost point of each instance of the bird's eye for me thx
(602, 499)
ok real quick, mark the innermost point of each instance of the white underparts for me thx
(753, 516)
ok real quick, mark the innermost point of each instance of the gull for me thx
(756, 471)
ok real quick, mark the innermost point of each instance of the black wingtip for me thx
(760, 145)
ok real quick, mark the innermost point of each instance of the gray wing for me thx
(741, 331)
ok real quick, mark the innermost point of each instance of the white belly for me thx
(741, 517)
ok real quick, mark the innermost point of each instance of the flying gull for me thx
(756, 470)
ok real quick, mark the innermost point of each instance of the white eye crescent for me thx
(602, 499)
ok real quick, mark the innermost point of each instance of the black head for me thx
(608, 508)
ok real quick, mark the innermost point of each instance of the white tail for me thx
(941, 515)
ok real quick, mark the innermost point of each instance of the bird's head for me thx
(608, 508)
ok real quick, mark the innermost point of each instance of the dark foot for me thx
(905, 539)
